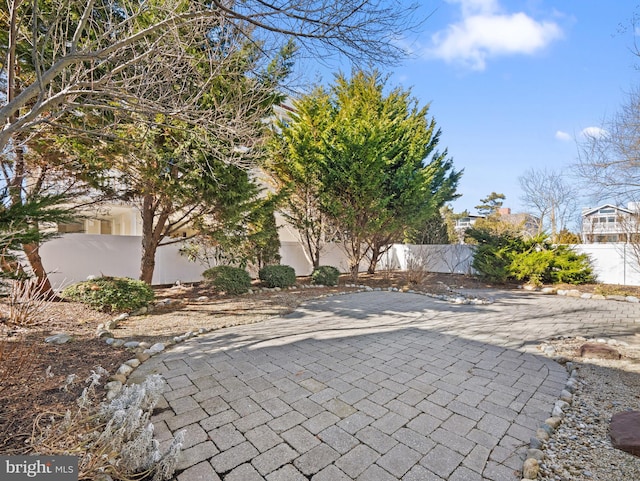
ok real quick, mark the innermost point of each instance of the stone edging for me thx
(581, 295)
(535, 454)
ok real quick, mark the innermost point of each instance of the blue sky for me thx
(513, 83)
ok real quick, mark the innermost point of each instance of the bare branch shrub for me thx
(457, 258)
(26, 302)
(417, 269)
(113, 440)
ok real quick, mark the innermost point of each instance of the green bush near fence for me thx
(110, 294)
(502, 258)
(277, 276)
(325, 276)
(232, 280)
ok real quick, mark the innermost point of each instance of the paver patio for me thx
(374, 386)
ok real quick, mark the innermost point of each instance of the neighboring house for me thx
(527, 222)
(464, 223)
(461, 225)
(610, 223)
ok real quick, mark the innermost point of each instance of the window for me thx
(71, 228)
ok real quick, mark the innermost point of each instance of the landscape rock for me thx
(133, 363)
(142, 356)
(157, 347)
(112, 324)
(102, 333)
(615, 297)
(535, 443)
(566, 396)
(535, 454)
(125, 369)
(61, 338)
(624, 431)
(542, 434)
(113, 386)
(530, 469)
(599, 351)
(553, 422)
(121, 378)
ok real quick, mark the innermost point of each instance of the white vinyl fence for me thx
(613, 263)
(73, 257)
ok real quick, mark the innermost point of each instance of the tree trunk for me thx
(354, 270)
(148, 261)
(375, 257)
(152, 235)
(32, 251)
(316, 257)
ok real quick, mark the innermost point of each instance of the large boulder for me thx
(624, 431)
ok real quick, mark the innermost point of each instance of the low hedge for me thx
(277, 276)
(231, 280)
(110, 294)
(325, 275)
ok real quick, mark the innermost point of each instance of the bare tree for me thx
(609, 164)
(126, 55)
(550, 198)
(609, 157)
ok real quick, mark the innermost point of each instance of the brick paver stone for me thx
(274, 458)
(373, 386)
(317, 458)
(244, 472)
(357, 460)
(199, 472)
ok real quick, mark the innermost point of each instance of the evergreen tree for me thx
(378, 170)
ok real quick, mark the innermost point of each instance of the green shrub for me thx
(500, 258)
(325, 275)
(110, 294)
(232, 280)
(277, 276)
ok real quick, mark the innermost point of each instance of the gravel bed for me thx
(580, 449)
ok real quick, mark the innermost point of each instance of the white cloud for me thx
(560, 135)
(593, 132)
(471, 7)
(486, 32)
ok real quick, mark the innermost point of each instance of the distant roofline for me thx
(594, 209)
